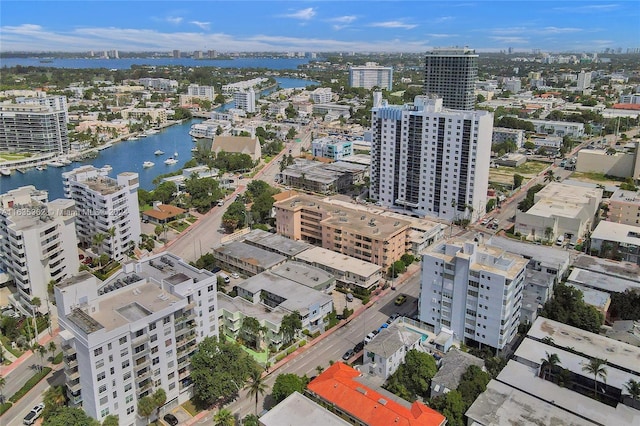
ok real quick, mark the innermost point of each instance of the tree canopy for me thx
(290, 325)
(67, 416)
(219, 369)
(286, 384)
(626, 306)
(413, 377)
(567, 306)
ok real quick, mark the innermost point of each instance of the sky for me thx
(314, 26)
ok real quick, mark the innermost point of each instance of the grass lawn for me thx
(6, 156)
(191, 219)
(260, 357)
(191, 408)
(7, 345)
(179, 225)
(504, 175)
(597, 177)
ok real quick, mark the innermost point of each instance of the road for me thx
(17, 412)
(332, 347)
(206, 234)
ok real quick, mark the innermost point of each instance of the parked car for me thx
(33, 415)
(348, 355)
(224, 277)
(369, 338)
(170, 419)
(358, 347)
(235, 275)
(400, 299)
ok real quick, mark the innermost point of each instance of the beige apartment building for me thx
(624, 207)
(358, 233)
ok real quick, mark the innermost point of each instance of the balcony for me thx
(72, 374)
(74, 386)
(142, 377)
(71, 362)
(136, 341)
(68, 348)
(141, 365)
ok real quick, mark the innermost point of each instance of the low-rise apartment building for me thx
(559, 210)
(384, 354)
(322, 177)
(616, 241)
(133, 334)
(503, 134)
(624, 207)
(332, 148)
(157, 115)
(558, 128)
(247, 259)
(38, 241)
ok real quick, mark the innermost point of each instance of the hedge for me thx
(4, 407)
(58, 358)
(30, 384)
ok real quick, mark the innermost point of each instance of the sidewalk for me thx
(44, 340)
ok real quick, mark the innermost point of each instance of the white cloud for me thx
(442, 35)
(592, 8)
(174, 19)
(558, 30)
(510, 40)
(441, 19)
(202, 25)
(393, 24)
(304, 14)
(347, 19)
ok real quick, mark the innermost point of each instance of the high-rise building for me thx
(36, 125)
(212, 54)
(473, 290)
(105, 206)
(584, 80)
(451, 74)
(133, 334)
(430, 161)
(176, 53)
(371, 75)
(37, 241)
(245, 100)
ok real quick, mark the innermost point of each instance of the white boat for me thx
(194, 149)
(40, 168)
(5, 171)
(152, 132)
(55, 163)
(175, 154)
(142, 135)
(132, 138)
(169, 161)
(107, 168)
(194, 140)
(159, 152)
(65, 161)
(148, 164)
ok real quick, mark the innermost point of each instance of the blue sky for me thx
(381, 26)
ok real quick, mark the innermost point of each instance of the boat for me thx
(107, 168)
(22, 170)
(175, 154)
(152, 132)
(158, 152)
(169, 161)
(55, 163)
(148, 164)
(5, 171)
(132, 138)
(65, 161)
(194, 149)
(142, 135)
(194, 140)
(40, 168)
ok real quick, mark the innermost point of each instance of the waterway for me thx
(127, 156)
(126, 63)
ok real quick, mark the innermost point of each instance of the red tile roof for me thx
(337, 386)
(163, 211)
(626, 106)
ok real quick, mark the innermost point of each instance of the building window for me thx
(129, 398)
(123, 340)
(100, 376)
(102, 388)
(97, 352)
(104, 412)
(104, 400)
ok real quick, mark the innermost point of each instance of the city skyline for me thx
(381, 26)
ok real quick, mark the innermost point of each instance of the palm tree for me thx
(633, 387)
(548, 363)
(2, 383)
(52, 348)
(35, 302)
(597, 367)
(549, 176)
(98, 239)
(224, 417)
(257, 387)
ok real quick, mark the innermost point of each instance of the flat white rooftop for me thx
(618, 232)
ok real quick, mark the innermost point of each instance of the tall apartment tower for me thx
(430, 161)
(473, 290)
(584, 80)
(37, 241)
(202, 92)
(35, 125)
(246, 100)
(451, 75)
(133, 334)
(105, 206)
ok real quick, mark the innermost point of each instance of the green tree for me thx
(220, 99)
(54, 398)
(286, 384)
(146, 407)
(567, 306)
(51, 347)
(548, 364)
(633, 388)
(291, 133)
(224, 417)
(452, 406)
(111, 420)
(597, 367)
(398, 267)
(159, 399)
(256, 386)
(290, 325)
(251, 331)
(67, 416)
(219, 369)
(235, 216)
(164, 192)
(550, 176)
(529, 145)
(517, 180)
(2, 384)
(250, 420)
(472, 383)
(413, 377)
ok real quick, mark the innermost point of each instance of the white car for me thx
(235, 275)
(32, 415)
